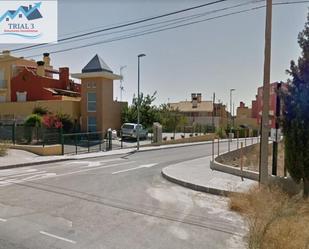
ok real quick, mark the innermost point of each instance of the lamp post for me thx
(138, 98)
(231, 120)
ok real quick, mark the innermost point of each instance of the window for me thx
(91, 102)
(2, 81)
(91, 85)
(2, 98)
(92, 124)
(20, 15)
(21, 96)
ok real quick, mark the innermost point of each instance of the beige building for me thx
(244, 117)
(202, 112)
(99, 111)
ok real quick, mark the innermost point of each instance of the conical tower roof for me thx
(96, 64)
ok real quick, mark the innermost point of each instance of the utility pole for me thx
(138, 100)
(213, 112)
(265, 110)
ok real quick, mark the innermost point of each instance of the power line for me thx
(131, 23)
(162, 28)
(151, 31)
(171, 22)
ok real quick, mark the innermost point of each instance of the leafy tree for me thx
(295, 117)
(171, 119)
(149, 113)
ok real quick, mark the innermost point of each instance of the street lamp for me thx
(138, 98)
(231, 120)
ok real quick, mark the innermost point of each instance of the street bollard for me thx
(213, 150)
(228, 144)
(241, 160)
(110, 139)
(218, 146)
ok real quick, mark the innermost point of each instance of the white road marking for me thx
(58, 237)
(3, 220)
(135, 168)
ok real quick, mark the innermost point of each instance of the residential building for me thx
(258, 106)
(245, 117)
(99, 111)
(25, 84)
(202, 112)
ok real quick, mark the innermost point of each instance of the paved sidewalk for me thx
(197, 175)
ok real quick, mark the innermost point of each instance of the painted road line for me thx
(135, 168)
(8, 182)
(3, 220)
(58, 237)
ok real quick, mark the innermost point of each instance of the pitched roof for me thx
(96, 64)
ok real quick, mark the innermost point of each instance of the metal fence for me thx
(22, 134)
(78, 143)
(220, 146)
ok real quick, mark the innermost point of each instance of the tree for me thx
(295, 117)
(149, 113)
(171, 119)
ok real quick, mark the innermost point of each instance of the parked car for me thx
(129, 130)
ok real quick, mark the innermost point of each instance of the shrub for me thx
(275, 219)
(33, 120)
(41, 111)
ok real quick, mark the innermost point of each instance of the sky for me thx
(211, 56)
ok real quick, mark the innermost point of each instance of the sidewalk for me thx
(197, 175)
(20, 158)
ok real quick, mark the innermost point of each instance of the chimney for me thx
(199, 97)
(64, 74)
(6, 52)
(40, 69)
(194, 100)
(30, 7)
(46, 59)
(242, 104)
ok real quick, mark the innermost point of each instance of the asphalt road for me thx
(114, 202)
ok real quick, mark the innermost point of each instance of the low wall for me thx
(214, 165)
(208, 137)
(285, 183)
(48, 150)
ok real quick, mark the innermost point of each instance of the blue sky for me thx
(208, 57)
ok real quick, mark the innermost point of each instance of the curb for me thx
(12, 166)
(195, 187)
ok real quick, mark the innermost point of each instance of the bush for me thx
(41, 111)
(33, 120)
(275, 219)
